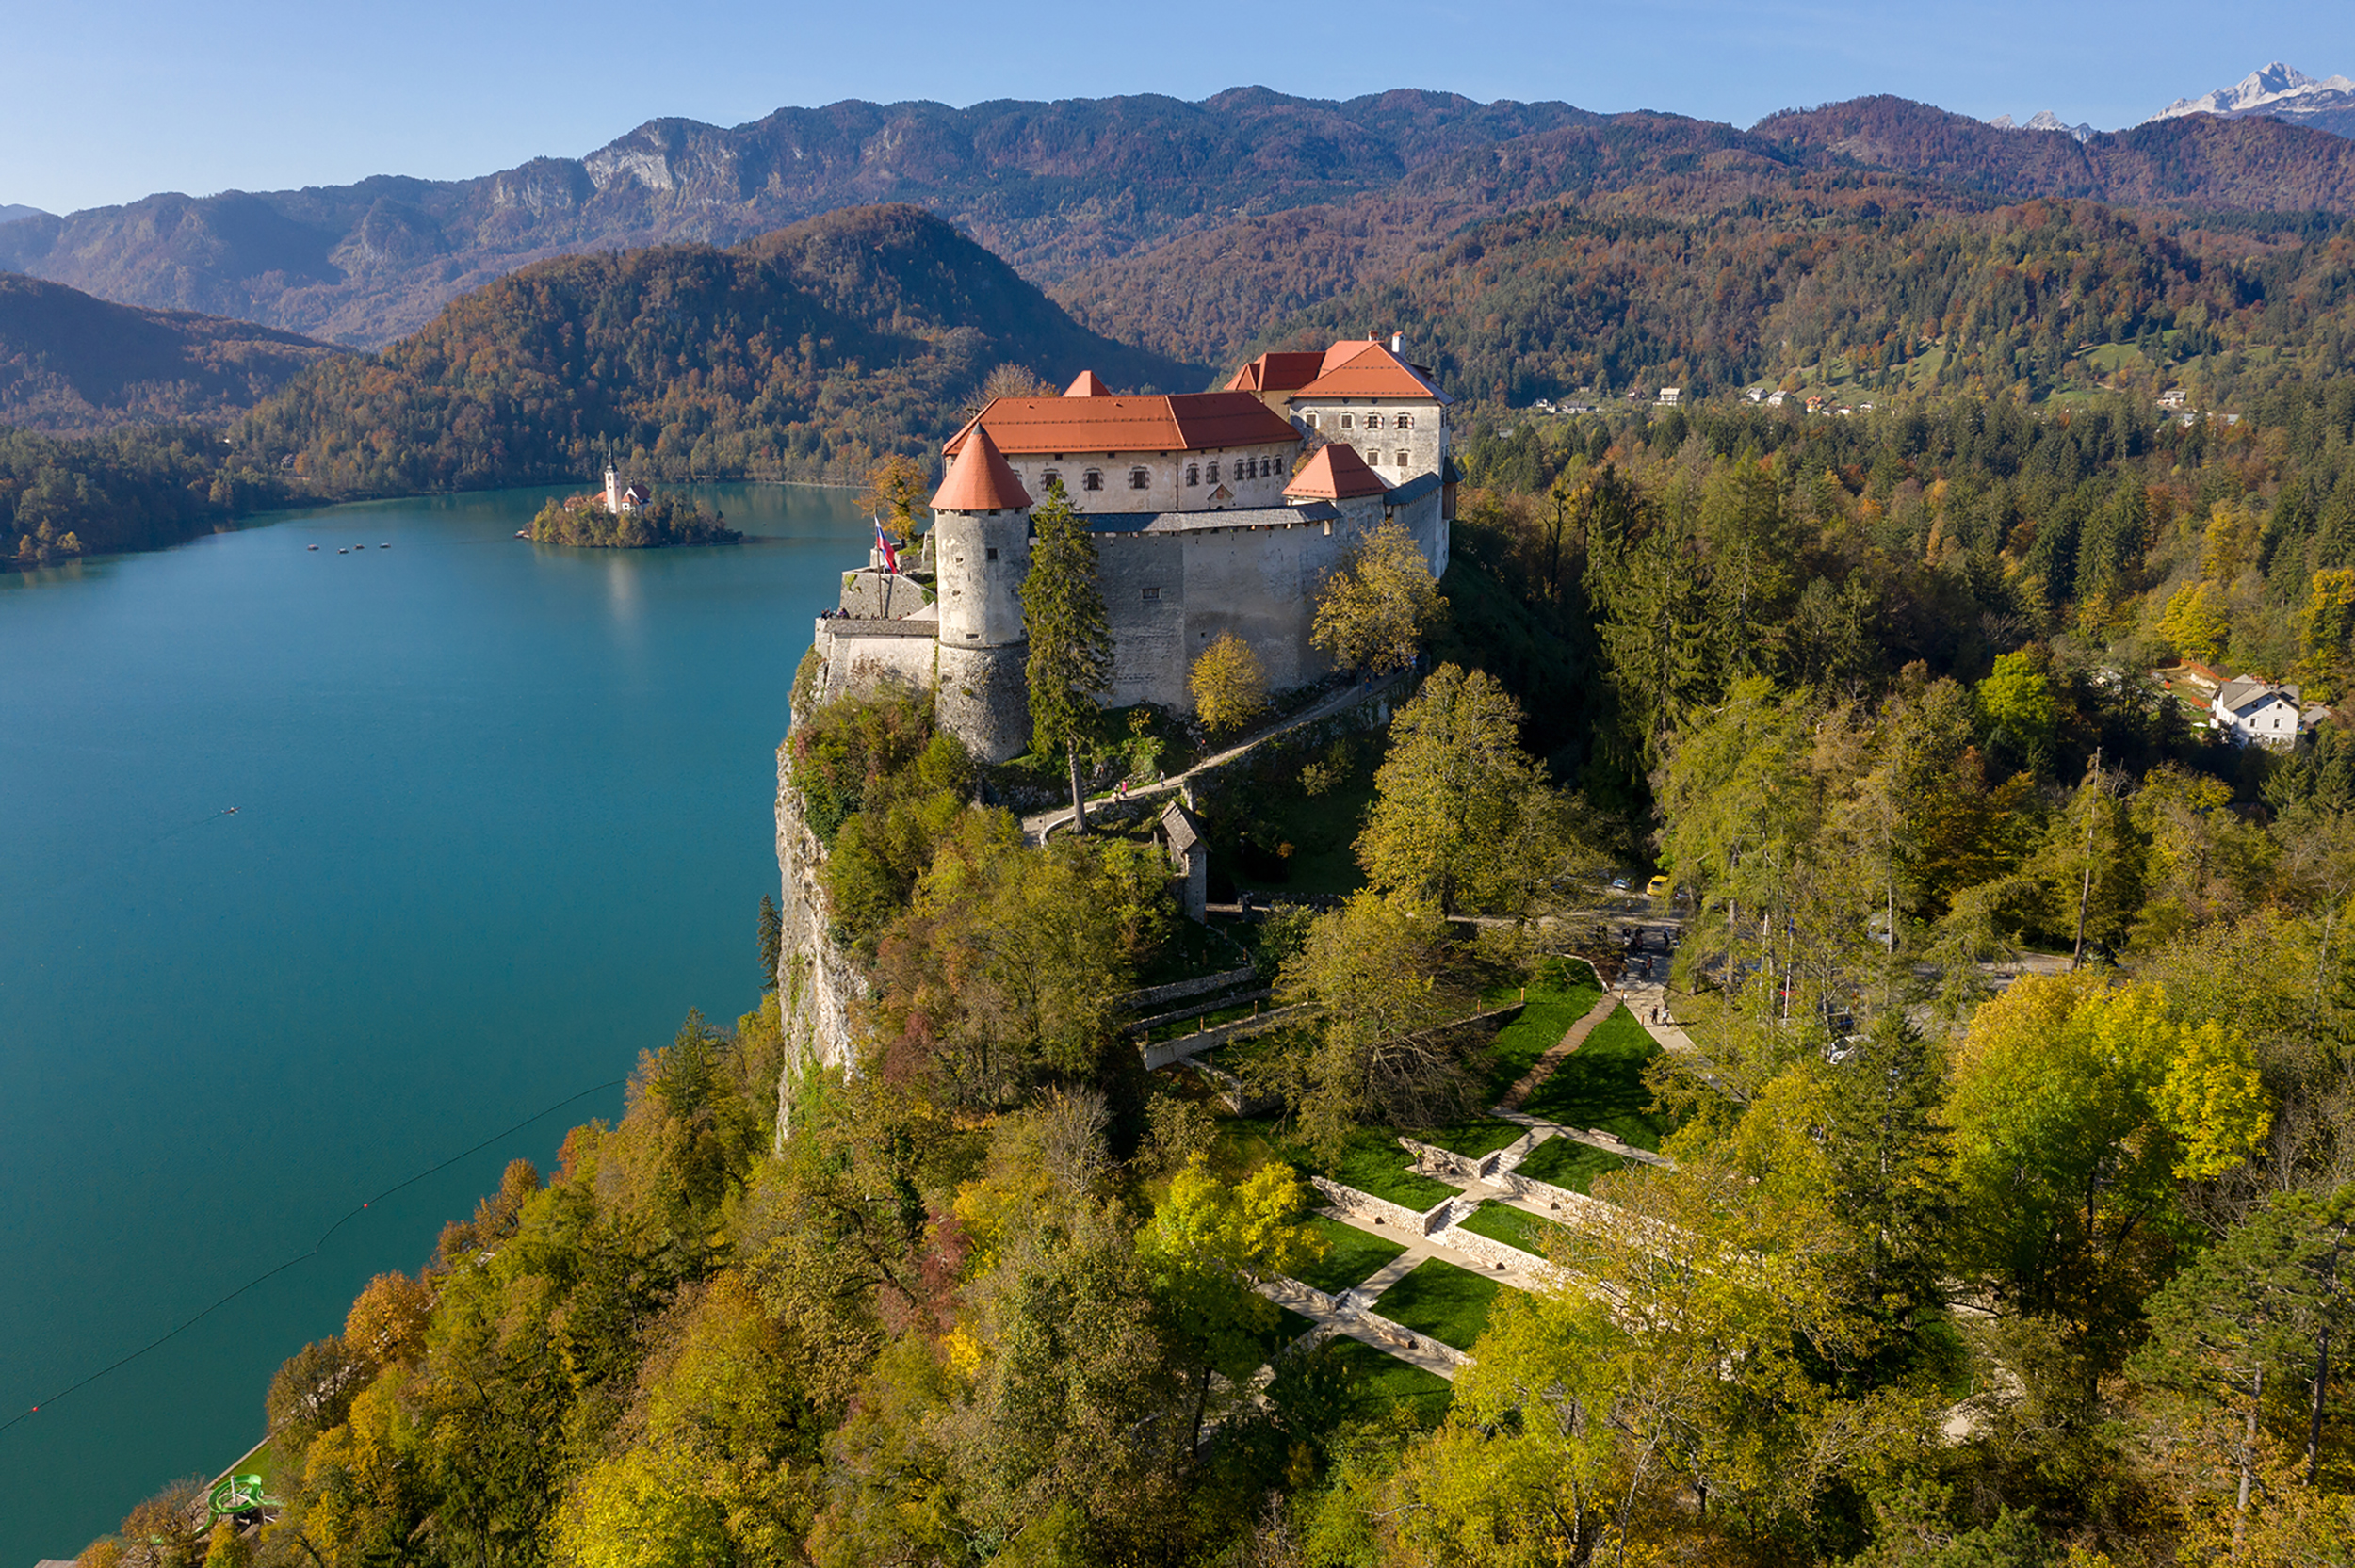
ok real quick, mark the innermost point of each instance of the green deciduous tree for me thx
(2077, 1110)
(1463, 819)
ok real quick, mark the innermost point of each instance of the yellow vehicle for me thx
(1656, 888)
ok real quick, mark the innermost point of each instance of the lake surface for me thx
(503, 816)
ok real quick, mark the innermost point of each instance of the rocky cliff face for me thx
(817, 982)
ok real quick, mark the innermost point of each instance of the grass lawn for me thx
(1469, 1139)
(1515, 1227)
(1374, 1163)
(1382, 1379)
(1448, 1303)
(1601, 1084)
(1566, 1162)
(1545, 1018)
(1351, 1255)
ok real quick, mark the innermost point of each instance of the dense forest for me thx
(1982, 1205)
(74, 365)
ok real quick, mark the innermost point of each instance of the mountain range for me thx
(2277, 91)
(1062, 190)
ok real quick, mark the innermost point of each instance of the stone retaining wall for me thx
(1381, 1211)
(1177, 990)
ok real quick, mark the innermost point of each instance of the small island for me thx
(631, 519)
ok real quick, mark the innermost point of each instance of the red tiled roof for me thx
(1342, 352)
(1181, 422)
(1336, 473)
(1087, 384)
(980, 482)
(1373, 371)
(1277, 373)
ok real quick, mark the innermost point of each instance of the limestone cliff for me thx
(817, 982)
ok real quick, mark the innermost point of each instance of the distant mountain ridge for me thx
(1049, 187)
(1066, 189)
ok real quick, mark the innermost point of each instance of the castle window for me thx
(990, 553)
(1373, 455)
(1345, 421)
(1214, 474)
(1373, 422)
(1049, 480)
(1136, 478)
(1251, 468)
(1091, 480)
(1152, 595)
(1312, 421)
(1402, 459)
(1194, 473)
(1406, 421)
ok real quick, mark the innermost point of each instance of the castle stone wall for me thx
(984, 699)
(864, 656)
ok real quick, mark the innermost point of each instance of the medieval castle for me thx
(1205, 521)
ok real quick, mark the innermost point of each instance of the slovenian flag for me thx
(883, 543)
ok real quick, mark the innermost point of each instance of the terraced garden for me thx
(1600, 1085)
(1351, 1256)
(1515, 1227)
(1382, 1379)
(1566, 1162)
(1441, 1301)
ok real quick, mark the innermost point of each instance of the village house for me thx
(2246, 709)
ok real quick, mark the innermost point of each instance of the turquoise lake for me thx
(503, 816)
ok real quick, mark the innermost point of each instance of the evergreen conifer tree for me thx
(1071, 639)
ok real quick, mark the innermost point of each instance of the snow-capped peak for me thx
(2043, 120)
(2277, 84)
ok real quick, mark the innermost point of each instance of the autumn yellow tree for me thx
(895, 488)
(1229, 683)
(1377, 603)
(2193, 623)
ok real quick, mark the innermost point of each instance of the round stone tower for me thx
(981, 553)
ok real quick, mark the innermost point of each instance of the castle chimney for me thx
(1398, 342)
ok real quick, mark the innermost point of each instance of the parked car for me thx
(1656, 888)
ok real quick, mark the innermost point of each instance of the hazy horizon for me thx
(129, 98)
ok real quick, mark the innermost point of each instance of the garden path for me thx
(1035, 827)
(1573, 1038)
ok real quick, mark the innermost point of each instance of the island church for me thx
(1212, 512)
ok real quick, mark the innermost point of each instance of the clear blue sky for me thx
(109, 100)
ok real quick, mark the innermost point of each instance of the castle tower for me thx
(980, 545)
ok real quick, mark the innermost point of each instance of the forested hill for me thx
(1050, 186)
(1863, 284)
(71, 364)
(804, 354)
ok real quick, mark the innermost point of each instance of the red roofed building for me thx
(1189, 451)
(1363, 394)
(979, 479)
(1335, 472)
(1087, 384)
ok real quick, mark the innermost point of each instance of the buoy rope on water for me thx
(186, 1324)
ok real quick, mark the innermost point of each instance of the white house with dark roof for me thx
(2246, 709)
